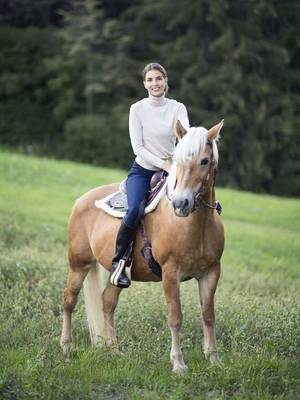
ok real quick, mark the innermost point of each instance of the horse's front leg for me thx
(207, 288)
(171, 289)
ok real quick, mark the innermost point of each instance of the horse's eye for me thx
(204, 161)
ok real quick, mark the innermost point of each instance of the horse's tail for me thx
(93, 288)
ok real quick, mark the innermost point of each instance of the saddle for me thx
(116, 204)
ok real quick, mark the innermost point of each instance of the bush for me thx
(98, 139)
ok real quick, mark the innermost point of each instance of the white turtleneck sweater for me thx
(152, 129)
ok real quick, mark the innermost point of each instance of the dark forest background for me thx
(71, 69)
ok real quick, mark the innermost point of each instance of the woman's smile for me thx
(155, 83)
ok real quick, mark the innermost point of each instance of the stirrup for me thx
(121, 268)
(127, 271)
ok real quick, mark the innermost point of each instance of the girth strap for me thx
(147, 252)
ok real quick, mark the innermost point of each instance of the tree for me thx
(237, 60)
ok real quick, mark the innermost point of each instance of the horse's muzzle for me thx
(182, 206)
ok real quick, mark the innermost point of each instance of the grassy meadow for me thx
(257, 301)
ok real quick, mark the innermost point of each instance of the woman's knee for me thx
(134, 214)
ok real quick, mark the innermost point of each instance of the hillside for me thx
(257, 302)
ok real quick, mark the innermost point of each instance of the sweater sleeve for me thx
(136, 138)
(182, 115)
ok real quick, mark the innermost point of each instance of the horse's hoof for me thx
(213, 358)
(111, 343)
(105, 343)
(116, 351)
(180, 369)
(65, 345)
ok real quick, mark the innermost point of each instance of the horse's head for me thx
(193, 170)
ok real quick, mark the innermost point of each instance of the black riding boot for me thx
(118, 276)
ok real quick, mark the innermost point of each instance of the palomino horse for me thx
(187, 239)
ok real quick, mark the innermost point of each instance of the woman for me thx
(152, 134)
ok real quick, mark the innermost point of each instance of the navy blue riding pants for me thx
(137, 185)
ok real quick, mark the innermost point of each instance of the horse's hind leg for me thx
(110, 301)
(76, 276)
(207, 288)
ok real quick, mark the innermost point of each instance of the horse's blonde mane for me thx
(193, 144)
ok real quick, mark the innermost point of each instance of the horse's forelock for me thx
(193, 144)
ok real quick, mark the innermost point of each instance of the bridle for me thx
(205, 184)
(211, 174)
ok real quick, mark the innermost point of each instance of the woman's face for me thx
(155, 83)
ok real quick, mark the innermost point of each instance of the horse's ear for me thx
(214, 132)
(180, 130)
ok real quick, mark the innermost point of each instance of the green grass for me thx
(257, 301)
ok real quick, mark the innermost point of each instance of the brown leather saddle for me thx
(118, 201)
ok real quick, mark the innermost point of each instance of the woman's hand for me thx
(167, 165)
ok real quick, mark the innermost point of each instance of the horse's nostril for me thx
(180, 204)
(176, 204)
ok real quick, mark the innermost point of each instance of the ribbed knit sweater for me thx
(152, 129)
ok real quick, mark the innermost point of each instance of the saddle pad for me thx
(116, 205)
